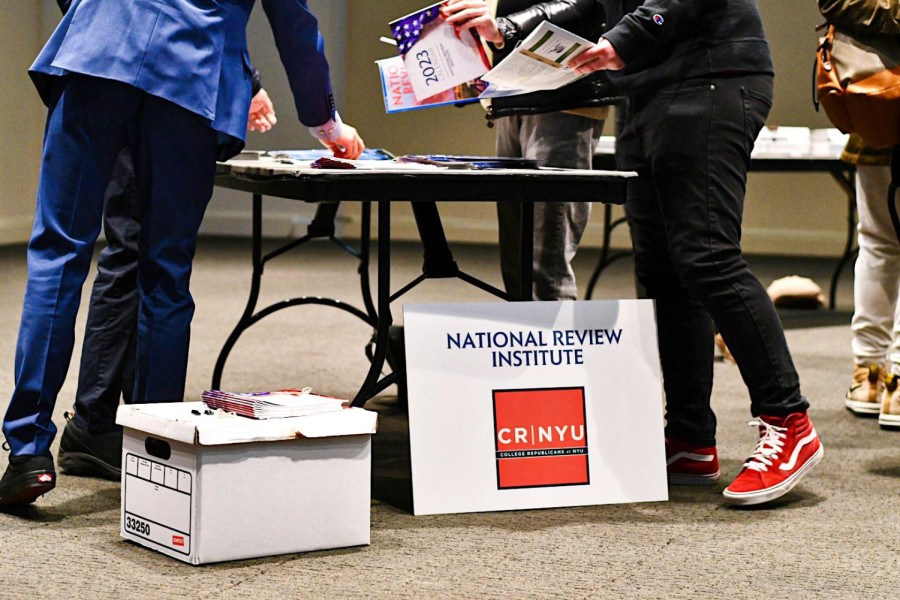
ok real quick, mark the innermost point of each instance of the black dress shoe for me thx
(90, 454)
(27, 477)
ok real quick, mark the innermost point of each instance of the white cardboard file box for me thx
(214, 487)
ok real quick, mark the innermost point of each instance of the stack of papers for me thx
(272, 405)
(782, 141)
(827, 142)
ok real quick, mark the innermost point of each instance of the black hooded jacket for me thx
(662, 41)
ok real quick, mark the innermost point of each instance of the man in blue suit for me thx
(170, 81)
(91, 443)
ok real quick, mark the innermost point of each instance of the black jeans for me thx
(690, 142)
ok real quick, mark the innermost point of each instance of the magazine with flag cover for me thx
(398, 92)
(437, 57)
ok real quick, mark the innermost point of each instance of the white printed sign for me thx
(533, 405)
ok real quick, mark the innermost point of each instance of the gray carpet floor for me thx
(837, 535)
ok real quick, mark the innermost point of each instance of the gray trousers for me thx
(559, 140)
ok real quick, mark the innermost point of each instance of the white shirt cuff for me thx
(328, 132)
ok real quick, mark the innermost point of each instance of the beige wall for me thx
(793, 214)
(22, 32)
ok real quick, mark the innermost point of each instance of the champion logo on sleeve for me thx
(658, 19)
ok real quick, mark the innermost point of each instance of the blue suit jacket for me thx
(190, 52)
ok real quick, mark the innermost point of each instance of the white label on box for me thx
(171, 480)
(184, 482)
(157, 473)
(157, 504)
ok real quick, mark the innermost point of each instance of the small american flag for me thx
(408, 29)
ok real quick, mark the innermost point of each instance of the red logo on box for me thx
(178, 540)
(540, 437)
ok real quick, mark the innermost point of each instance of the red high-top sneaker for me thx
(788, 448)
(687, 464)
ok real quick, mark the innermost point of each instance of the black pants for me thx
(690, 142)
(106, 373)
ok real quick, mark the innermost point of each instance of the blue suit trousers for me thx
(90, 121)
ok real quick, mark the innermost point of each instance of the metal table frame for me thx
(423, 189)
(844, 175)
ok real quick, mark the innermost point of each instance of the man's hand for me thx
(262, 113)
(347, 145)
(472, 14)
(598, 57)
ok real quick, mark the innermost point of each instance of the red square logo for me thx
(540, 438)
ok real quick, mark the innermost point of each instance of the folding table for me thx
(388, 183)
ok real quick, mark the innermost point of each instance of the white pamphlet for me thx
(538, 63)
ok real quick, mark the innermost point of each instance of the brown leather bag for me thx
(858, 84)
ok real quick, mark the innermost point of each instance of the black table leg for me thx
(247, 317)
(322, 226)
(607, 257)
(846, 178)
(371, 386)
(365, 244)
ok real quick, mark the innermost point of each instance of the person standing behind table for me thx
(876, 316)
(172, 84)
(557, 127)
(699, 79)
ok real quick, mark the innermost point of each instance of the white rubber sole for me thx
(865, 409)
(776, 491)
(889, 421)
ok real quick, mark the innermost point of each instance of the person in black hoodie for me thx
(698, 76)
(558, 127)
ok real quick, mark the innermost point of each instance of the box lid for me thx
(187, 422)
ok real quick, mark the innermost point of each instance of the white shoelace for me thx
(770, 444)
